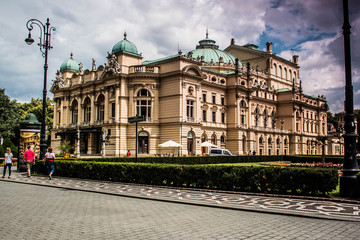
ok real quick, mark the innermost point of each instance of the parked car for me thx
(220, 152)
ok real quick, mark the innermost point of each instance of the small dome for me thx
(210, 52)
(125, 46)
(30, 122)
(70, 65)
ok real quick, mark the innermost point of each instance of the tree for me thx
(332, 119)
(9, 115)
(35, 106)
(8, 144)
(322, 140)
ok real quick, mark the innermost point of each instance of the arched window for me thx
(256, 110)
(294, 76)
(276, 70)
(74, 112)
(203, 137)
(190, 143)
(285, 141)
(242, 103)
(260, 140)
(101, 108)
(278, 141)
(269, 140)
(290, 74)
(143, 103)
(143, 93)
(143, 142)
(87, 109)
(280, 72)
(285, 72)
(265, 112)
(213, 139)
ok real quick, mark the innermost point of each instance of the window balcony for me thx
(267, 129)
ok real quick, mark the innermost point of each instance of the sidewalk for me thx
(289, 205)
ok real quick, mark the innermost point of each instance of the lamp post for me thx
(44, 44)
(351, 168)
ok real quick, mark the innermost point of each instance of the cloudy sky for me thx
(90, 28)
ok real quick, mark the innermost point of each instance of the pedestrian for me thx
(8, 162)
(49, 162)
(250, 153)
(29, 157)
(254, 153)
(128, 154)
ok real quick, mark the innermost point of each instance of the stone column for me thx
(80, 111)
(93, 110)
(106, 105)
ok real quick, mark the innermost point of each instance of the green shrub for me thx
(226, 177)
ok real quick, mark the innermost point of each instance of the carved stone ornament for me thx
(59, 81)
(191, 90)
(93, 65)
(81, 68)
(114, 66)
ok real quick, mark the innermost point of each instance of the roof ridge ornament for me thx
(125, 35)
(207, 32)
(71, 56)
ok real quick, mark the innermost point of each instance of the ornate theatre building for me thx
(238, 98)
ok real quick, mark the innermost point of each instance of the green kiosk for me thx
(29, 136)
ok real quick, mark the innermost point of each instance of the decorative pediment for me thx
(193, 70)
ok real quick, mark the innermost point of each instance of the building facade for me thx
(336, 144)
(238, 98)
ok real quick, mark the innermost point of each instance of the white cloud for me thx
(90, 28)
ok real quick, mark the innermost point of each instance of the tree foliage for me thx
(9, 115)
(13, 112)
(332, 119)
(35, 106)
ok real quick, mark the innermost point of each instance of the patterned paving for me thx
(318, 208)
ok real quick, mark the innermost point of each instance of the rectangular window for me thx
(75, 116)
(190, 109)
(214, 116)
(297, 127)
(143, 108)
(59, 117)
(87, 113)
(222, 117)
(222, 101)
(204, 115)
(204, 97)
(214, 99)
(242, 119)
(113, 109)
(101, 112)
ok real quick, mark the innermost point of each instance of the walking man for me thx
(29, 157)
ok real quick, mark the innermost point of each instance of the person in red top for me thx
(29, 157)
(128, 154)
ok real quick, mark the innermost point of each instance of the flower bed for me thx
(306, 164)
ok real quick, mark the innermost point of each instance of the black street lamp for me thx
(351, 168)
(44, 44)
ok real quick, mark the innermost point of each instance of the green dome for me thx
(70, 65)
(30, 122)
(125, 46)
(210, 52)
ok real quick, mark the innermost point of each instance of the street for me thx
(40, 212)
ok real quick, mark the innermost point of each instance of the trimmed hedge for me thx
(183, 160)
(215, 159)
(247, 179)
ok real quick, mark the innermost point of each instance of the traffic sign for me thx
(136, 119)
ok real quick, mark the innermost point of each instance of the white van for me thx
(220, 152)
